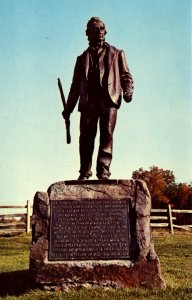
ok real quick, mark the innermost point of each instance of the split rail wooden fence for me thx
(21, 222)
(17, 222)
(164, 218)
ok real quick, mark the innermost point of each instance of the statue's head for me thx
(95, 30)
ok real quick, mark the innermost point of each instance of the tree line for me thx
(164, 189)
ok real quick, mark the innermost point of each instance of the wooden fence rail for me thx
(9, 225)
(159, 218)
(167, 216)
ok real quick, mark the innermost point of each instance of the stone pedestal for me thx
(94, 234)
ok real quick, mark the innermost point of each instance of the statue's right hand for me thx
(66, 115)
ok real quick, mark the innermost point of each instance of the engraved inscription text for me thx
(89, 229)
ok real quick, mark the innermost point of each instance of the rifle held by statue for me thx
(67, 121)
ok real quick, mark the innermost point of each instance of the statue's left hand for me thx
(127, 98)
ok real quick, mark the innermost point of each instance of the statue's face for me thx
(96, 33)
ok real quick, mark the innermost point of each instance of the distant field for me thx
(174, 251)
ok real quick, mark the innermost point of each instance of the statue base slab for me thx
(94, 233)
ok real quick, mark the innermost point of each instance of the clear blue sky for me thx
(40, 41)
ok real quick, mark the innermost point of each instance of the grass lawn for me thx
(174, 251)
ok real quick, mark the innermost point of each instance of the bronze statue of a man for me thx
(100, 75)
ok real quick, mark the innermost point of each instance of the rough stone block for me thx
(92, 234)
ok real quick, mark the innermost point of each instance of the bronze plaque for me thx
(89, 229)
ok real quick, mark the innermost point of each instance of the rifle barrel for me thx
(67, 122)
(62, 94)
